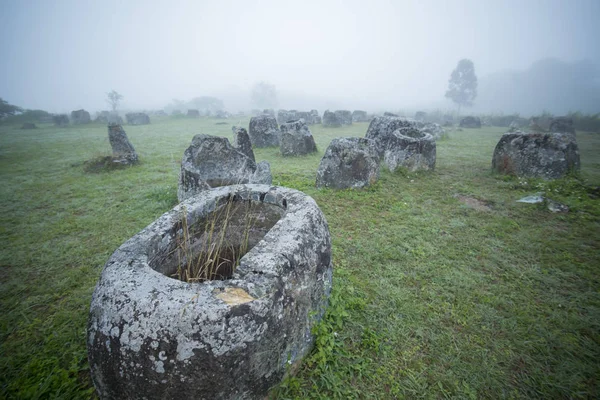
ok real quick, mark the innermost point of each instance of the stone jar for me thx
(296, 139)
(410, 148)
(539, 155)
(152, 336)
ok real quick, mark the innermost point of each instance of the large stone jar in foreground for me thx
(541, 155)
(156, 337)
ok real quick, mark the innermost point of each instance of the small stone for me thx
(123, 151)
(29, 125)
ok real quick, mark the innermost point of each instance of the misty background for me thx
(529, 57)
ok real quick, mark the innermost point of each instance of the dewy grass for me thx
(431, 298)
(220, 250)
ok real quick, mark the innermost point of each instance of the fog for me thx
(374, 55)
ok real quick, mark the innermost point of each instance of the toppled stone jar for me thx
(541, 155)
(153, 336)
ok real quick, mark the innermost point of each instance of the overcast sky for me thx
(65, 55)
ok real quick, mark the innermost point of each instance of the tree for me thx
(462, 86)
(7, 109)
(114, 98)
(264, 95)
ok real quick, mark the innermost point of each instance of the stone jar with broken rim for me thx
(153, 336)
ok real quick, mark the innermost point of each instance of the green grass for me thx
(432, 298)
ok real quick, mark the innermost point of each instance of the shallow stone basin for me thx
(151, 335)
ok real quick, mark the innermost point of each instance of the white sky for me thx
(65, 55)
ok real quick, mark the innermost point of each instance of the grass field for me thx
(433, 297)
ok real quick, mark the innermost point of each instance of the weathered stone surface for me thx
(562, 124)
(263, 131)
(359, 116)
(470, 122)
(80, 117)
(420, 116)
(154, 337)
(28, 125)
(269, 111)
(60, 120)
(241, 141)
(123, 151)
(212, 161)
(262, 173)
(400, 142)
(410, 148)
(305, 116)
(331, 120)
(344, 116)
(137, 118)
(389, 114)
(349, 163)
(296, 139)
(432, 128)
(284, 116)
(542, 155)
(192, 113)
(381, 128)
